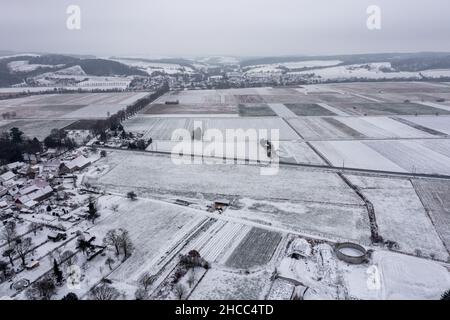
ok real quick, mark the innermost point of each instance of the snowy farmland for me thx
(69, 106)
(218, 228)
(37, 115)
(160, 175)
(401, 216)
(414, 156)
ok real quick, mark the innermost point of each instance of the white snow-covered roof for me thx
(78, 162)
(27, 190)
(30, 204)
(7, 176)
(301, 247)
(15, 165)
(35, 195)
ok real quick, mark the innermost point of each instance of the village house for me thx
(31, 199)
(7, 176)
(15, 165)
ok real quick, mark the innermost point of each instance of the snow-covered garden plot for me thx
(355, 154)
(405, 277)
(435, 196)
(217, 242)
(311, 109)
(401, 216)
(439, 123)
(160, 174)
(281, 290)
(35, 128)
(316, 128)
(317, 271)
(220, 284)
(332, 221)
(412, 156)
(299, 152)
(153, 227)
(255, 250)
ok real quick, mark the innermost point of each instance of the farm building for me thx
(76, 164)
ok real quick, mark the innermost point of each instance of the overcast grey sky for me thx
(228, 27)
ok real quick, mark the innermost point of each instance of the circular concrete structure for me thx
(21, 284)
(351, 252)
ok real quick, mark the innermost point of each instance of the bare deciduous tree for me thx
(69, 258)
(109, 261)
(43, 289)
(141, 294)
(125, 243)
(9, 233)
(180, 291)
(112, 238)
(104, 292)
(10, 254)
(34, 227)
(192, 278)
(3, 268)
(23, 247)
(146, 280)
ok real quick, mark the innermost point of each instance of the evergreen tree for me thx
(57, 272)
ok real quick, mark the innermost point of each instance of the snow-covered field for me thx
(335, 221)
(270, 68)
(374, 71)
(401, 216)
(232, 285)
(24, 66)
(163, 128)
(298, 152)
(355, 154)
(415, 156)
(410, 278)
(151, 67)
(69, 106)
(412, 156)
(439, 123)
(160, 175)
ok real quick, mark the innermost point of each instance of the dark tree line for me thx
(58, 139)
(13, 144)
